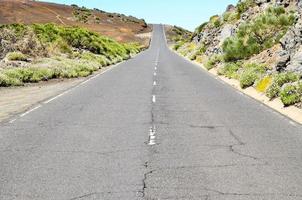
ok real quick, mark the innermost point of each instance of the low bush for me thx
(16, 56)
(213, 61)
(178, 45)
(81, 38)
(289, 95)
(199, 59)
(49, 69)
(250, 73)
(261, 33)
(215, 21)
(231, 17)
(200, 28)
(230, 70)
(278, 81)
(44, 39)
(244, 6)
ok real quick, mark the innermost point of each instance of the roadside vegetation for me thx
(260, 34)
(41, 52)
(178, 36)
(233, 57)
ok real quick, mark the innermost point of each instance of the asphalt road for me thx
(155, 127)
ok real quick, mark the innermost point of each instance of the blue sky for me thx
(186, 13)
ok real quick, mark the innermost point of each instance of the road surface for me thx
(154, 127)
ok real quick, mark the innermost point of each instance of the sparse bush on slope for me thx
(230, 70)
(213, 61)
(49, 69)
(89, 52)
(255, 36)
(81, 38)
(244, 5)
(16, 56)
(250, 74)
(290, 95)
(278, 81)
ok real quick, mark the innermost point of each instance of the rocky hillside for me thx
(257, 42)
(118, 26)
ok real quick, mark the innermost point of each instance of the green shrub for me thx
(278, 81)
(93, 57)
(255, 36)
(215, 21)
(230, 70)
(200, 28)
(50, 68)
(213, 61)
(244, 5)
(178, 45)
(6, 81)
(250, 73)
(289, 95)
(16, 56)
(81, 38)
(19, 30)
(230, 17)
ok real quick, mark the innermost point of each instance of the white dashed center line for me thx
(154, 99)
(152, 136)
(154, 83)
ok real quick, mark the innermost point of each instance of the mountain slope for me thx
(120, 27)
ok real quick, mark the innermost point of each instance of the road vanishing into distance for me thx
(154, 127)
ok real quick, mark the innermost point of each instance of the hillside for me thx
(120, 27)
(256, 42)
(42, 41)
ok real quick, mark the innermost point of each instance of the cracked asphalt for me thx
(208, 141)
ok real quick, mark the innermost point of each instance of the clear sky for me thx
(185, 13)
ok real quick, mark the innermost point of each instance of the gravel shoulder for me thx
(15, 100)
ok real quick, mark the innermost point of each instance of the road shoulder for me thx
(16, 100)
(291, 112)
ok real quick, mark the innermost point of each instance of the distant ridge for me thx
(118, 26)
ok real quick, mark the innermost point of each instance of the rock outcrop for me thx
(288, 57)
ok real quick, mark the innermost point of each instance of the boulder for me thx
(227, 31)
(230, 8)
(296, 62)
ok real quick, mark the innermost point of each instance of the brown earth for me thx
(120, 27)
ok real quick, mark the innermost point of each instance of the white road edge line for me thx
(12, 121)
(292, 123)
(84, 82)
(50, 100)
(31, 110)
